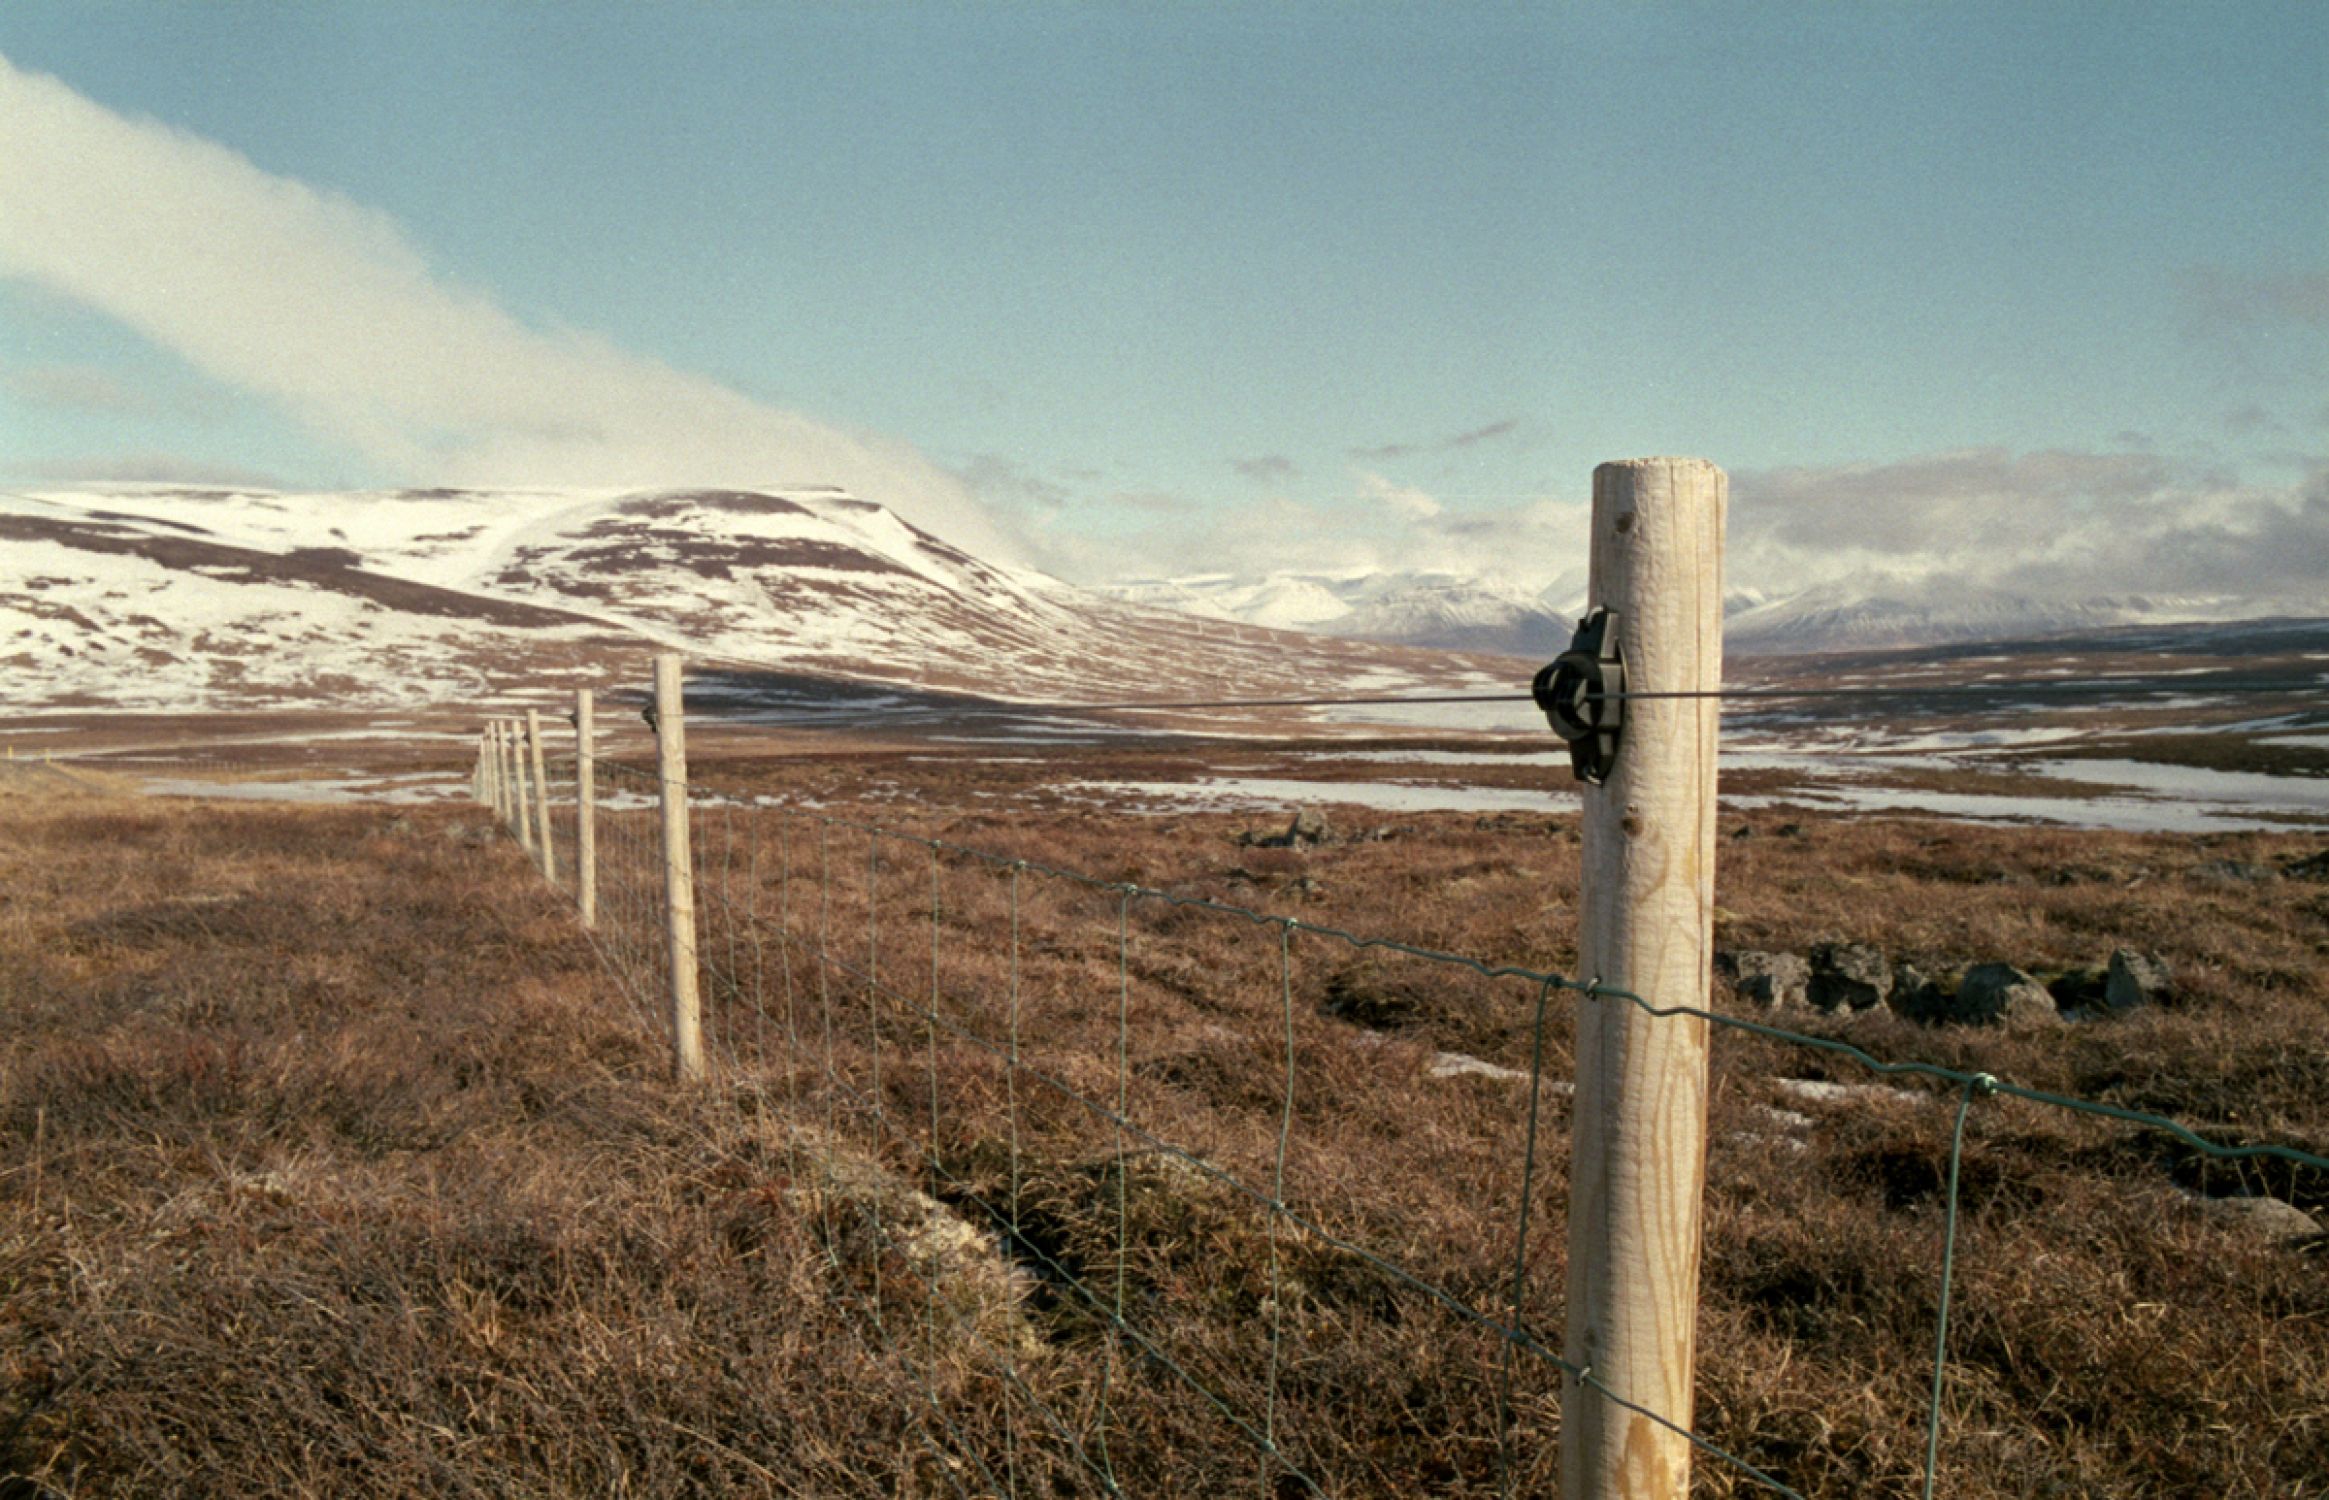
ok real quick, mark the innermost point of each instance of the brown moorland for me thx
(336, 1160)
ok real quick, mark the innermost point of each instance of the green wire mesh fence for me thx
(1106, 1163)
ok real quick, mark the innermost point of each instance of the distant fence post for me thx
(585, 815)
(1640, 1123)
(549, 850)
(522, 801)
(509, 779)
(678, 868)
(496, 771)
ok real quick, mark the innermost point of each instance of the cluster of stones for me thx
(1848, 977)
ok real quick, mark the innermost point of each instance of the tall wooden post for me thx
(585, 814)
(1648, 924)
(687, 1051)
(497, 771)
(549, 849)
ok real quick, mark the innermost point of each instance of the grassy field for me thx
(334, 1160)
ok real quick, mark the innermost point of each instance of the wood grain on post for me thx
(549, 850)
(1648, 921)
(687, 1051)
(585, 815)
(499, 771)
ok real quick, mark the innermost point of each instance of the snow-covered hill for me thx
(165, 598)
(1442, 611)
(1843, 617)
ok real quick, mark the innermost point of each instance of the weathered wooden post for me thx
(549, 850)
(585, 815)
(509, 780)
(521, 801)
(687, 1051)
(496, 771)
(1648, 921)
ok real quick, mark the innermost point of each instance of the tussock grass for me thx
(334, 1162)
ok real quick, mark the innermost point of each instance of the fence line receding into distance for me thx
(980, 1070)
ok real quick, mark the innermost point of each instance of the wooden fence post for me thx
(522, 801)
(549, 850)
(585, 814)
(509, 780)
(1648, 921)
(496, 771)
(678, 869)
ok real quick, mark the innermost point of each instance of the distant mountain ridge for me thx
(1460, 612)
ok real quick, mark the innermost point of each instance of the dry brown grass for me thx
(364, 1179)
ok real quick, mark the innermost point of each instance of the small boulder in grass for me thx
(2268, 1219)
(2135, 979)
(1848, 976)
(1917, 996)
(2001, 995)
(1776, 981)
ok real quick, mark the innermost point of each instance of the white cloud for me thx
(2062, 523)
(325, 306)
(2053, 523)
(1403, 500)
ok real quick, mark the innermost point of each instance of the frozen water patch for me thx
(1386, 796)
(427, 787)
(2292, 794)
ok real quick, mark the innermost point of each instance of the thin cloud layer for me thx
(325, 307)
(2058, 524)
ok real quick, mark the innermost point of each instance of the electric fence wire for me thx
(627, 940)
(2012, 691)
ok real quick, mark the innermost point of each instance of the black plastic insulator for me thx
(1582, 693)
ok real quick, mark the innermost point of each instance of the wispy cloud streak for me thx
(326, 307)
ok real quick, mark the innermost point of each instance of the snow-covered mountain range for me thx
(1441, 610)
(1475, 613)
(168, 598)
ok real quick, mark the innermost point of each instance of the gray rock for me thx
(2235, 872)
(2266, 1218)
(1820, 1091)
(1917, 996)
(2135, 979)
(1458, 1065)
(1777, 980)
(1308, 827)
(1848, 976)
(2000, 994)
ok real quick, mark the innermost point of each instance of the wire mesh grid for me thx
(1095, 1157)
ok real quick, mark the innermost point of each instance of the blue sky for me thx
(1167, 285)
